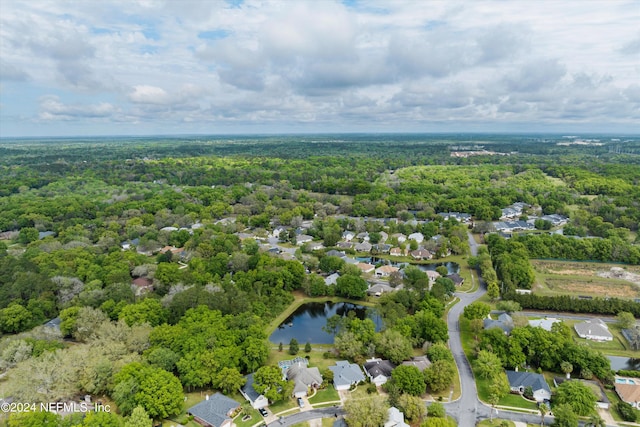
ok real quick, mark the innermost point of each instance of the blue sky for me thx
(144, 67)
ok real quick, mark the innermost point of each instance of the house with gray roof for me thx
(519, 381)
(504, 322)
(331, 279)
(395, 418)
(303, 378)
(214, 411)
(420, 362)
(256, 399)
(595, 330)
(379, 289)
(346, 374)
(363, 247)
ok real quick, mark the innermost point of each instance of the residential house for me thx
(433, 276)
(126, 245)
(595, 330)
(256, 399)
(142, 285)
(421, 254)
(519, 381)
(420, 362)
(386, 270)
(378, 370)
(366, 268)
(363, 247)
(346, 374)
(379, 289)
(382, 248)
(460, 217)
(333, 252)
(303, 379)
(456, 278)
(314, 246)
(400, 238)
(348, 236)
(395, 418)
(301, 239)
(278, 230)
(364, 236)
(418, 237)
(383, 236)
(397, 252)
(545, 323)
(331, 279)
(344, 245)
(504, 322)
(628, 389)
(214, 411)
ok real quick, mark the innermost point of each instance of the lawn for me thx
(496, 423)
(316, 356)
(329, 394)
(617, 347)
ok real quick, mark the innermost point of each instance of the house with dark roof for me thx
(378, 370)
(519, 381)
(346, 374)
(256, 399)
(456, 278)
(504, 322)
(214, 411)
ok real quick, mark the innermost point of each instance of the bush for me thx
(626, 411)
(371, 388)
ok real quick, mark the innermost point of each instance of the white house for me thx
(595, 330)
(418, 237)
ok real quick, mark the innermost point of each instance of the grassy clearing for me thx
(316, 356)
(583, 278)
(496, 423)
(618, 347)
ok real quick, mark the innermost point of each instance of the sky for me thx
(150, 67)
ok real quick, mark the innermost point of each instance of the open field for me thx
(586, 279)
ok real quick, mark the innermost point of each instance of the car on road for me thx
(300, 402)
(263, 412)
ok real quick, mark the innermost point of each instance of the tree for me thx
(567, 368)
(438, 422)
(476, 310)
(329, 264)
(508, 306)
(102, 419)
(268, 382)
(368, 412)
(149, 311)
(595, 421)
(626, 320)
(156, 390)
(436, 410)
(476, 326)
(409, 379)
(350, 286)
(442, 270)
(14, 319)
(439, 351)
(394, 346)
(412, 407)
(138, 418)
(626, 411)
(294, 347)
(307, 347)
(34, 419)
(228, 380)
(578, 396)
(544, 410)
(493, 290)
(439, 375)
(348, 345)
(488, 364)
(564, 416)
(28, 235)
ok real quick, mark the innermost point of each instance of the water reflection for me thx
(624, 363)
(306, 323)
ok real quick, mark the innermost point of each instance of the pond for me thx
(624, 363)
(453, 267)
(306, 323)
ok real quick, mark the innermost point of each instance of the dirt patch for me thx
(622, 274)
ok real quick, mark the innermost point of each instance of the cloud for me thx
(9, 72)
(52, 109)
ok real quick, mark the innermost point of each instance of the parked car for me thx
(300, 402)
(263, 412)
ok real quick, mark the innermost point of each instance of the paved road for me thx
(308, 415)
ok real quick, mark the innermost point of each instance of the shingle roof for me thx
(345, 373)
(420, 362)
(377, 367)
(214, 410)
(248, 389)
(527, 379)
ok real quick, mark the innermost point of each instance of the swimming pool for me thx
(625, 381)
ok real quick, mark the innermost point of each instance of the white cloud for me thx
(273, 63)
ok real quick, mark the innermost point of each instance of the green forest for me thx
(153, 252)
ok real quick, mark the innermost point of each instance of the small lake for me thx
(624, 363)
(452, 267)
(306, 323)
